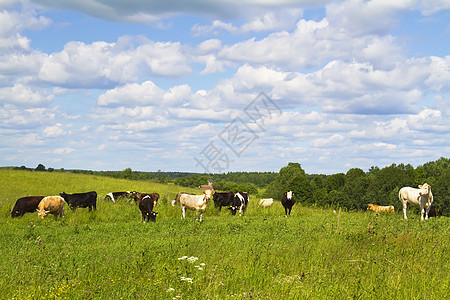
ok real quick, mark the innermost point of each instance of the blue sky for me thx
(165, 85)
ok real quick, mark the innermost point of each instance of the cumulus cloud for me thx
(103, 65)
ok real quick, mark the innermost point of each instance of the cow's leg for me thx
(422, 211)
(290, 208)
(183, 212)
(427, 211)
(405, 207)
(142, 216)
(240, 210)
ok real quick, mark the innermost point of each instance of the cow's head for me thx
(42, 213)
(370, 207)
(152, 216)
(289, 195)
(208, 194)
(14, 213)
(425, 189)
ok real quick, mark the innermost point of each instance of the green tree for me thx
(127, 173)
(40, 168)
(292, 178)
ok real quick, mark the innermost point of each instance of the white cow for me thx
(195, 202)
(418, 197)
(266, 202)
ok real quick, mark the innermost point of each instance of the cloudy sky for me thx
(174, 85)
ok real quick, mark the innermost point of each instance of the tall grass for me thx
(108, 254)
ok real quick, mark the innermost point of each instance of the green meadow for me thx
(109, 254)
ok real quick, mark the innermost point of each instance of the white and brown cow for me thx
(195, 202)
(51, 205)
(421, 197)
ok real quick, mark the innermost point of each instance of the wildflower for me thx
(170, 290)
(202, 264)
(183, 257)
(192, 259)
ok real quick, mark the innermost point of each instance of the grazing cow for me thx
(195, 202)
(265, 202)
(83, 200)
(288, 201)
(421, 197)
(240, 201)
(146, 203)
(116, 195)
(223, 199)
(25, 204)
(381, 209)
(51, 205)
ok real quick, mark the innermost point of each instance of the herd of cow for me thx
(238, 201)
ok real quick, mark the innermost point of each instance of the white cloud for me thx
(54, 131)
(62, 151)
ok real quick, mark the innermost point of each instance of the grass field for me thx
(108, 254)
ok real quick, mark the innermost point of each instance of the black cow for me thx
(288, 201)
(116, 195)
(146, 202)
(83, 200)
(223, 199)
(25, 204)
(240, 201)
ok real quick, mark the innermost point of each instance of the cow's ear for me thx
(420, 186)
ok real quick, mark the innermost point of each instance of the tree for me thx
(292, 178)
(127, 173)
(40, 168)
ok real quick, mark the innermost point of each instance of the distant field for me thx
(108, 254)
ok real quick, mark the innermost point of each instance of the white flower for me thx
(192, 259)
(170, 290)
(183, 257)
(202, 264)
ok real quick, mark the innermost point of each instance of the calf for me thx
(381, 209)
(25, 204)
(240, 201)
(265, 202)
(223, 199)
(81, 200)
(51, 205)
(287, 201)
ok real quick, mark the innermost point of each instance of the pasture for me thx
(108, 254)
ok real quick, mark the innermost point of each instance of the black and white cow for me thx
(115, 196)
(146, 204)
(287, 201)
(83, 200)
(223, 199)
(240, 201)
(25, 204)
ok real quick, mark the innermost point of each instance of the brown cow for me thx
(51, 205)
(381, 209)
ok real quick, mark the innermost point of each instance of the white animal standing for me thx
(421, 197)
(195, 202)
(265, 202)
